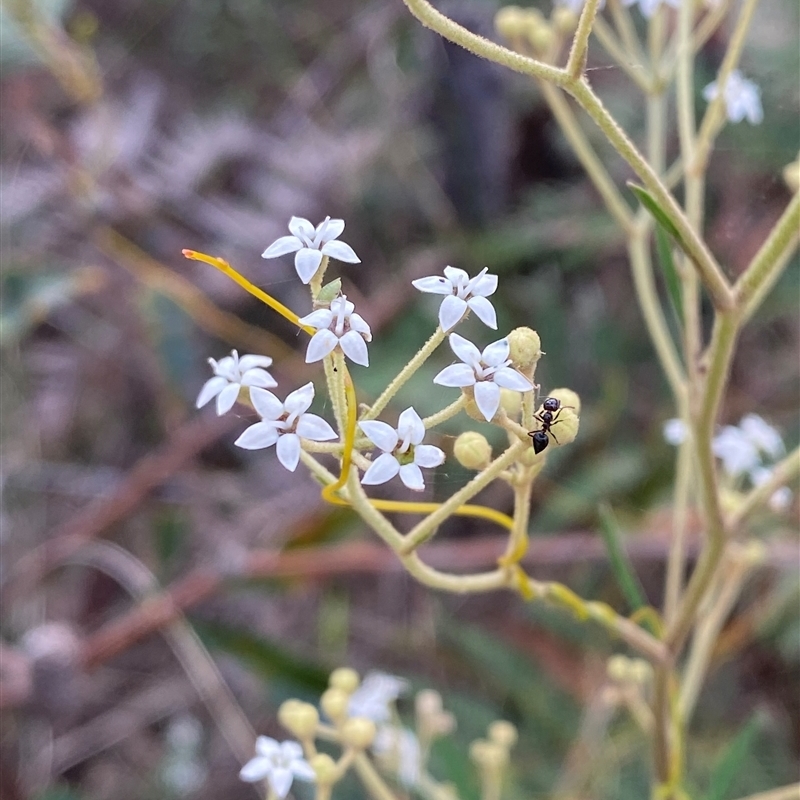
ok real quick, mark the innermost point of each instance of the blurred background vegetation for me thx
(206, 124)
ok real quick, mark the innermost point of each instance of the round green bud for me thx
(299, 718)
(345, 679)
(567, 398)
(478, 751)
(564, 20)
(508, 21)
(428, 702)
(324, 768)
(640, 671)
(328, 293)
(542, 38)
(510, 402)
(566, 427)
(334, 704)
(359, 732)
(472, 451)
(524, 348)
(618, 668)
(503, 733)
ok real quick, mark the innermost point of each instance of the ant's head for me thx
(551, 404)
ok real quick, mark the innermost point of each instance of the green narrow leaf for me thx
(658, 213)
(670, 273)
(734, 758)
(620, 563)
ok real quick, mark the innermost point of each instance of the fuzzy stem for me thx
(576, 63)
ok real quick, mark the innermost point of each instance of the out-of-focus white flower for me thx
(649, 7)
(373, 699)
(398, 749)
(338, 325)
(486, 371)
(736, 451)
(675, 432)
(781, 498)
(278, 763)
(462, 294)
(742, 98)
(283, 423)
(230, 374)
(311, 244)
(403, 452)
(762, 435)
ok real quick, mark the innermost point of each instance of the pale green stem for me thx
(315, 284)
(787, 470)
(609, 43)
(373, 782)
(480, 46)
(522, 511)
(647, 294)
(716, 112)
(676, 564)
(576, 63)
(702, 33)
(425, 529)
(791, 792)
(627, 32)
(405, 374)
(734, 572)
(769, 261)
(360, 502)
(335, 393)
(594, 167)
(448, 412)
(323, 791)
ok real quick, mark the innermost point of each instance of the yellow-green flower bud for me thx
(334, 704)
(508, 21)
(299, 718)
(488, 755)
(564, 20)
(428, 702)
(345, 679)
(325, 769)
(640, 671)
(510, 402)
(478, 751)
(565, 428)
(567, 398)
(618, 668)
(470, 408)
(358, 732)
(329, 292)
(542, 38)
(524, 349)
(503, 733)
(472, 451)
(791, 175)
(752, 553)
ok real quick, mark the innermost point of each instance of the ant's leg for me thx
(550, 432)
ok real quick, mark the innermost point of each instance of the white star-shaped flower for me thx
(675, 432)
(736, 451)
(765, 438)
(649, 7)
(487, 372)
(230, 374)
(402, 452)
(311, 244)
(376, 694)
(398, 748)
(279, 763)
(742, 98)
(284, 423)
(462, 294)
(338, 325)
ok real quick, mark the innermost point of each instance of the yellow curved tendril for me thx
(329, 491)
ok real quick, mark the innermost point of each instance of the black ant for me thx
(548, 417)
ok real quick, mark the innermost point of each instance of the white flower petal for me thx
(410, 426)
(228, 367)
(464, 349)
(382, 469)
(456, 276)
(737, 453)
(483, 285)
(762, 435)
(265, 403)
(303, 770)
(301, 228)
(334, 228)
(359, 325)
(781, 499)
(291, 750)
(300, 399)
(341, 252)
(226, 398)
(484, 310)
(268, 747)
(511, 379)
(487, 398)
(674, 432)
(258, 436)
(250, 361)
(355, 348)
(495, 353)
(211, 388)
(282, 246)
(307, 262)
(451, 311)
(256, 769)
(411, 475)
(428, 456)
(380, 434)
(258, 377)
(288, 450)
(433, 285)
(321, 318)
(280, 779)
(456, 375)
(322, 343)
(310, 426)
